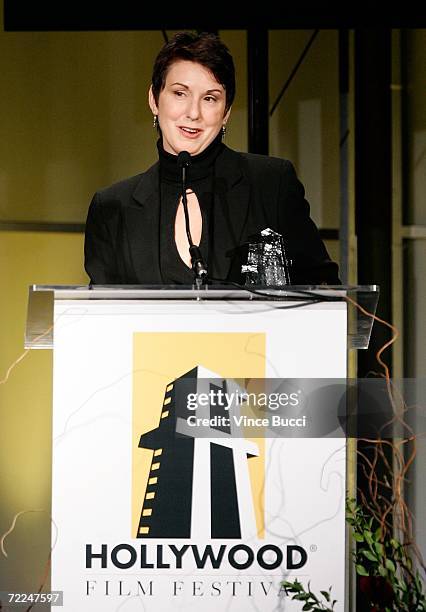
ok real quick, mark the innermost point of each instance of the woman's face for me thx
(191, 108)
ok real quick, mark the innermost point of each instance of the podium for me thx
(172, 485)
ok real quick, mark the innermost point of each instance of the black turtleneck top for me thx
(200, 179)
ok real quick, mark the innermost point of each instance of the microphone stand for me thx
(198, 266)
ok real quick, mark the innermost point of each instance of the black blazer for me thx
(252, 192)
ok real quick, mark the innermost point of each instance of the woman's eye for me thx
(179, 93)
(210, 99)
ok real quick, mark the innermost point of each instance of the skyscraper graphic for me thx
(197, 487)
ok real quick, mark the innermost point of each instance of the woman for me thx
(135, 231)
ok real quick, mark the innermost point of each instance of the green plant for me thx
(384, 564)
(311, 601)
(385, 567)
(390, 568)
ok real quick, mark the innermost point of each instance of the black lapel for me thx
(231, 208)
(142, 220)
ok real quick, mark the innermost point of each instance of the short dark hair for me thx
(206, 49)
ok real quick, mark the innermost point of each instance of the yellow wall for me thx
(25, 400)
(75, 117)
(305, 125)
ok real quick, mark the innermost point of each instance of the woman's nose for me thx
(193, 110)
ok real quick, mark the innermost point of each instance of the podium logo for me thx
(197, 487)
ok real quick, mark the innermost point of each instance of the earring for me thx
(223, 130)
(155, 122)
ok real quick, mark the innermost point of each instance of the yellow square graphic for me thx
(160, 358)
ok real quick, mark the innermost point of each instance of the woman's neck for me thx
(202, 164)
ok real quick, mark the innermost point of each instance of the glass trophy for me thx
(267, 261)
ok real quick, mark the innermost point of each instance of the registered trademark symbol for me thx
(313, 548)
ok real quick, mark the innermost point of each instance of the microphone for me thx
(183, 159)
(198, 266)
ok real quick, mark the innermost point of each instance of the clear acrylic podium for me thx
(151, 515)
(41, 301)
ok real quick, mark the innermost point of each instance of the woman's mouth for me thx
(190, 132)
